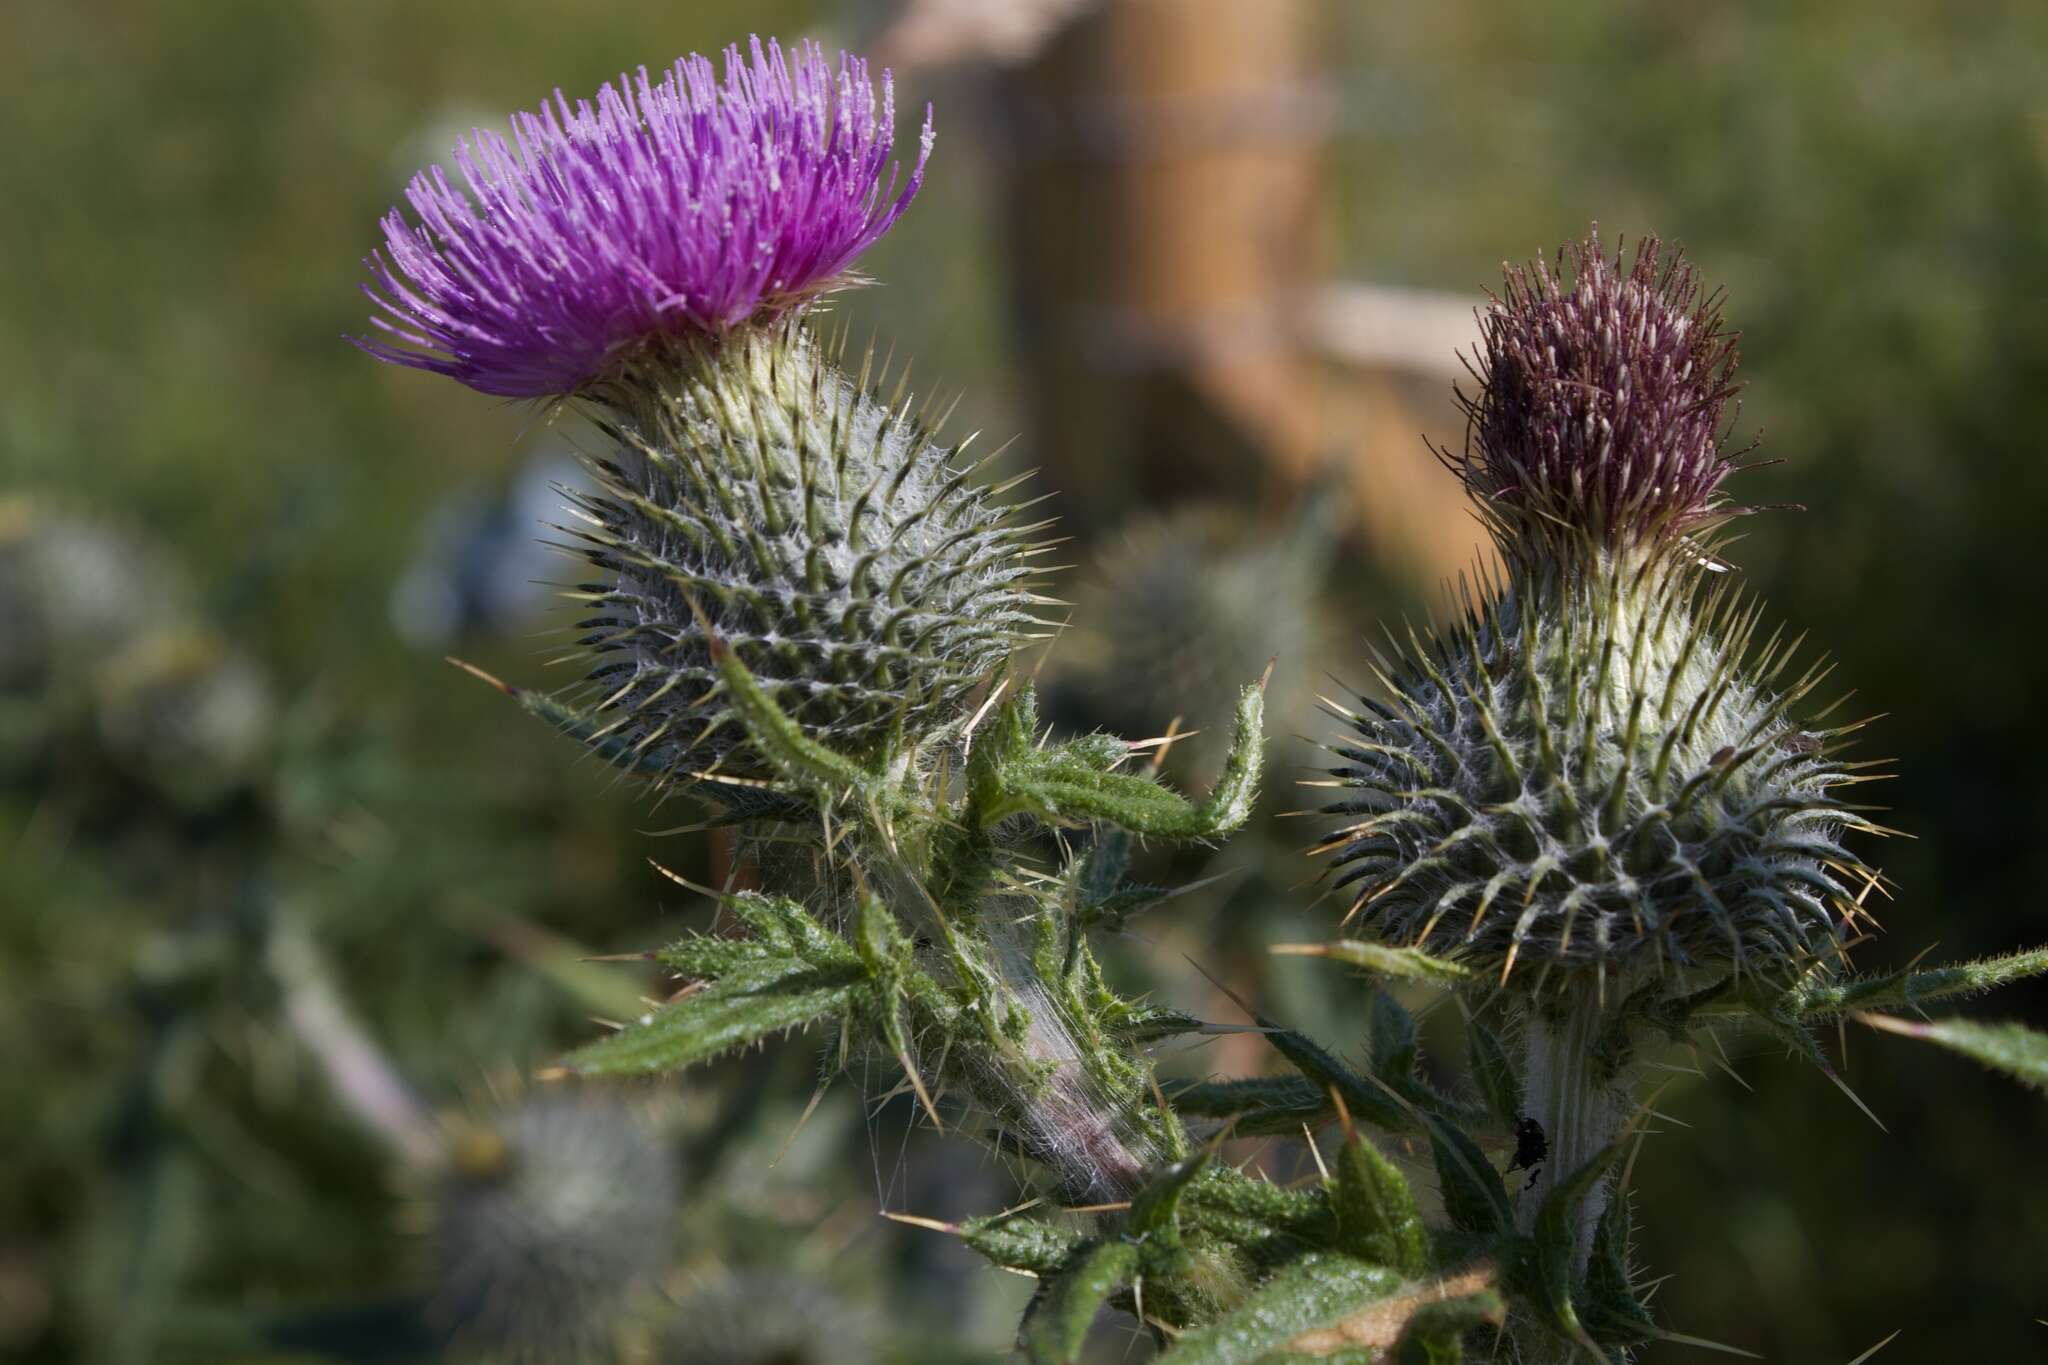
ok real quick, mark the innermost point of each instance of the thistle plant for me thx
(1594, 805)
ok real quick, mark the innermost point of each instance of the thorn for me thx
(1315, 1151)
(924, 1096)
(802, 1119)
(1879, 1347)
(507, 688)
(1683, 1340)
(1854, 1099)
(914, 1221)
(680, 880)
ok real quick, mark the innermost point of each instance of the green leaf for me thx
(1553, 1248)
(1056, 1324)
(1472, 1193)
(1407, 964)
(1904, 990)
(1607, 1303)
(1392, 1041)
(1263, 1106)
(1495, 1075)
(746, 1007)
(1073, 783)
(1156, 1204)
(2018, 1051)
(1365, 1100)
(1376, 1216)
(1435, 1334)
(1311, 1294)
(1017, 1243)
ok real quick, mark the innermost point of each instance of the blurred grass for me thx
(189, 190)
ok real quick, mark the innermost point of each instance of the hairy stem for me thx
(1572, 1092)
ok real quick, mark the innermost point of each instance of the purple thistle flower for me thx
(1600, 400)
(672, 208)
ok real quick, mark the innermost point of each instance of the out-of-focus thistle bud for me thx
(105, 663)
(1598, 769)
(765, 1320)
(1185, 605)
(544, 1220)
(652, 257)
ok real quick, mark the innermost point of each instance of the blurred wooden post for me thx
(1164, 211)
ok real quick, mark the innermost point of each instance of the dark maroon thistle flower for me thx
(677, 207)
(1600, 399)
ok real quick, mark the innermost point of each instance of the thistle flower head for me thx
(1598, 414)
(768, 501)
(674, 207)
(1600, 769)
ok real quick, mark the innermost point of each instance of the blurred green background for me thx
(185, 194)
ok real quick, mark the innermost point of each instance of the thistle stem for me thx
(1581, 1104)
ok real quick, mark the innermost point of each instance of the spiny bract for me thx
(546, 1218)
(761, 496)
(1599, 775)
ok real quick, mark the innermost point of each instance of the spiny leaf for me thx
(2018, 1051)
(1310, 1294)
(1392, 1040)
(1607, 1303)
(1903, 990)
(1019, 1243)
(1156, 1204)
(1376, 1215)
(1473, 1197)
(1552, 1249)
(743, 1008)
(1407, 964)
(1369, 1102)
(1262, 1106)
(1056, 1324)
(1495, 1075)
(1072, 783)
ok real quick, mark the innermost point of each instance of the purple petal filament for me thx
(666, 208)
(1601, 392)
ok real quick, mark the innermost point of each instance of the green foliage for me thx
(1308, 1295)
(2018, 1051)
(1067, 1301)
(1376, 1216)
(1076, 783)
(788, 975)
(1819, 998)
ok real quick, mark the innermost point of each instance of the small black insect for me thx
(1531, 1147)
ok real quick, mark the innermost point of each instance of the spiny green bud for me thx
(761, 497)
(545, 1218)
(1598, 768)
